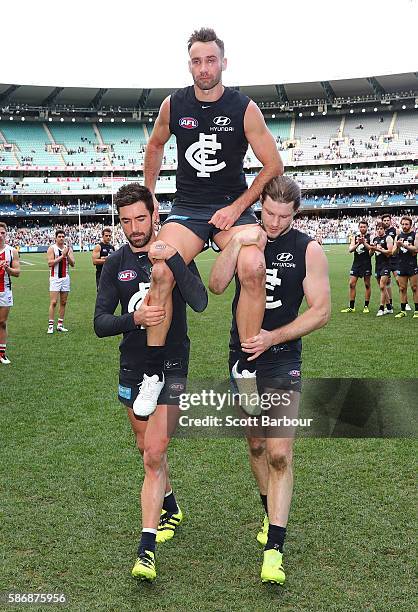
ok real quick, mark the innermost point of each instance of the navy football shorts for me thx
(196, 216)
(176, 366)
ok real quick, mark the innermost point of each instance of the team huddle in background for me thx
(395, 251)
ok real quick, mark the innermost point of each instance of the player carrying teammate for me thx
(60, 258)
(101, 251)
(361, 268)
(406, 247)
(296, 266)
(213, 126)
(382, 249)
(9, 266)
(125, 280)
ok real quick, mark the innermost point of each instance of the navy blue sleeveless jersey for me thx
(285, 272)
(105, 250)
(361, 254)
(381, 259)
(405, 257)
(391, 231)
(211, 146)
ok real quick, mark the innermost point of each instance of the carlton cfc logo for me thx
(188, 122)
(127, 275)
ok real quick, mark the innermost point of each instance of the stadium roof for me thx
(86, 97)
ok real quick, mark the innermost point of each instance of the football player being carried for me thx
(213, 126)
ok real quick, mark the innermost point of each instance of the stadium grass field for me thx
(70, 473)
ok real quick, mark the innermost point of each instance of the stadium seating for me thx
(127, 141)
(79, 140)
(361, 135)
(30, 139)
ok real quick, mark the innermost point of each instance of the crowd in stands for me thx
(318, 227)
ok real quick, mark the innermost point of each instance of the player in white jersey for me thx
(9, 266)
(60, 258)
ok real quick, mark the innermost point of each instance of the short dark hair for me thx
(379, 225)
(205, 35)
(407, 219)
(2, 224)
(386, 216)
(59, 231)
(105, 230)
(282, 189)
(363, 222)
(130, 193)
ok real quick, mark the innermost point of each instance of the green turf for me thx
(70, 474)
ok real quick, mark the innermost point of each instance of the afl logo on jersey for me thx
(127, 275)
(284, 257)
(188, 122)
(222, 121)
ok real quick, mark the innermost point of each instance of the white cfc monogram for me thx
(198, 155)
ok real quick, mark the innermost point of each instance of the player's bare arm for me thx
(155, 149)
(413, 248)
(224, 268)
(14, 268)
(97, 260)
(397, 245)
(264, 147)
(387, 251)
(353, 245)
(318, 297)
(70, 257)
(52, 260)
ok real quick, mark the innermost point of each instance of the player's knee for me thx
(352, 284)
(54, 302)
(367, 284)
(3, 324)
(161, 274)
(140, 443)
(280, 461)
(256, 446)
(155, 457)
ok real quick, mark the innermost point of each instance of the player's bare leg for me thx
(368, 288)
(279, 454)
(188, 245)
(258, 462)
(382, 284)
(154, 439)
(139, 427)
(352, 288)
(61, 311)
(251, 269)
(259, 468)
(162, 284)
(352, 294)
(4, 313)
(413, 281)
(53, 301)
